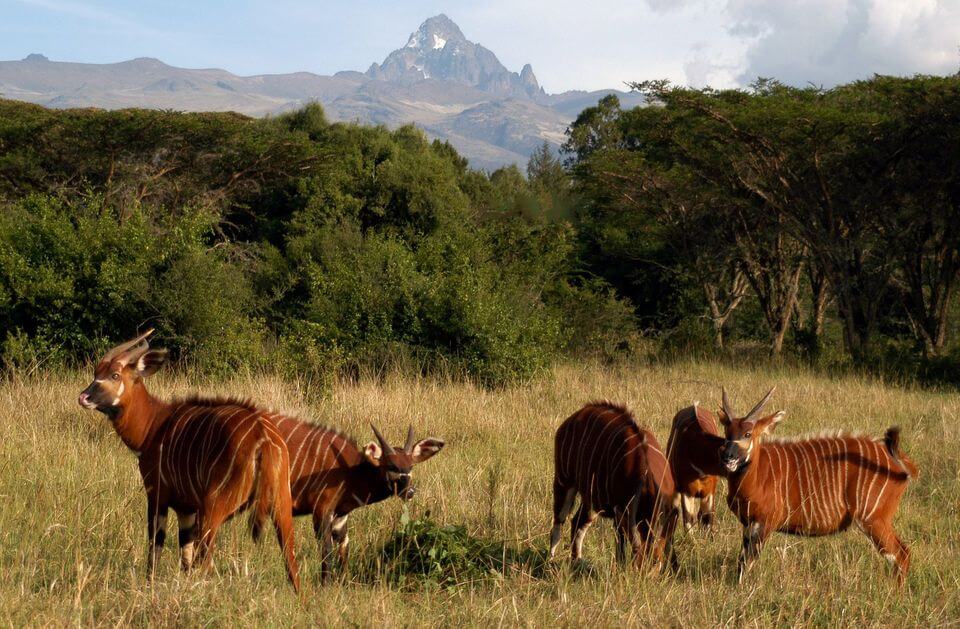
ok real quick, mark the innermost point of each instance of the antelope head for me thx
(395, 465)
(743, 433)
(119, 373)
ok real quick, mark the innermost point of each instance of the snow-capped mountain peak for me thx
(439, 50)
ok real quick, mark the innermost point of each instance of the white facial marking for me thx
(116, 400)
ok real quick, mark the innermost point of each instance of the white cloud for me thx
(721, 43)
(603, 45)
(834, 41)
(708, 68)
(823, 42)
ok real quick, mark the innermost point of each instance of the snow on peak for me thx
(438, 42)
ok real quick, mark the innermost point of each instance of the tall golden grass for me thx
(73, 535)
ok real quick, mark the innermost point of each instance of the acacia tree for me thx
(696, 137)
(804, 160)
(654, 201)
(923, 227)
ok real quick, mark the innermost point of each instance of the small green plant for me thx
(423, 553)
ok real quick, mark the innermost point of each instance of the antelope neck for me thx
(749, 472)
(138, 418)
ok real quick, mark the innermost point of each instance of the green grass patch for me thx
(425, 554)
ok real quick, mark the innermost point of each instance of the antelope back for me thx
(822, 484)
(602, 452)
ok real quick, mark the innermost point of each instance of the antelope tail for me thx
(892, 441)
(264, 488)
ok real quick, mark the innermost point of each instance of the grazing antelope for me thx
(813, 486)
(331, 476)
(694, 453)
(619, 472)
(207, 459)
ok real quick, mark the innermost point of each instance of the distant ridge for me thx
(454, 89)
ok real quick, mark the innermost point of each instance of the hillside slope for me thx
(453, 88)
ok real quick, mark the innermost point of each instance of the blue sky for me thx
(571, 44)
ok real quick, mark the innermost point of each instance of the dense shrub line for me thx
(286, 243)
(816, 222)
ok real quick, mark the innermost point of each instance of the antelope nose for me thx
(728, 451)
(84, 399)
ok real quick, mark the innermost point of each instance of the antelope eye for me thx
(747, 435)
(115, 376)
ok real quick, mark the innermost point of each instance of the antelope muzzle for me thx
(402, 485)
(94, 397)
(731, 455)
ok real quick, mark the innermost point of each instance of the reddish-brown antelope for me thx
(620, 472)
(694, 453)
(813, 486)
(331, 476)
(207, 459)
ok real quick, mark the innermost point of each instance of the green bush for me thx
(309, 247)
(425, 554)
(373, 298)
(76, 277)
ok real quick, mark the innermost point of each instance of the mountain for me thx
(439, 50)
(454, 89)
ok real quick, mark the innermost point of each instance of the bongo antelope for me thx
(813, 486)
(619, 472)
(694, 453)
(206, 458)
(331, 476)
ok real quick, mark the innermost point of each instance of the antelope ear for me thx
(150, 362)
(768, 423)
(372, 453)
(426, 448)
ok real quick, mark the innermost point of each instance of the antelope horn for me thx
(759, 407)
(125, 352)
(408, 446)
(387, 448)
(727, 407)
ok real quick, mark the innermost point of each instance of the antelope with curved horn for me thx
(331, 475)
(620, 472)
(813, 486)
(207, 459)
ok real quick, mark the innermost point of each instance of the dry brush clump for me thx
(72, 540)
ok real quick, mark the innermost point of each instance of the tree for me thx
(596, 127)
(800, 157)
(549, 182)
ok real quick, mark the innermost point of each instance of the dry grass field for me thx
(73, 533)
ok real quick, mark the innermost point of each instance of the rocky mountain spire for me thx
(439, 50)
(435, 34)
